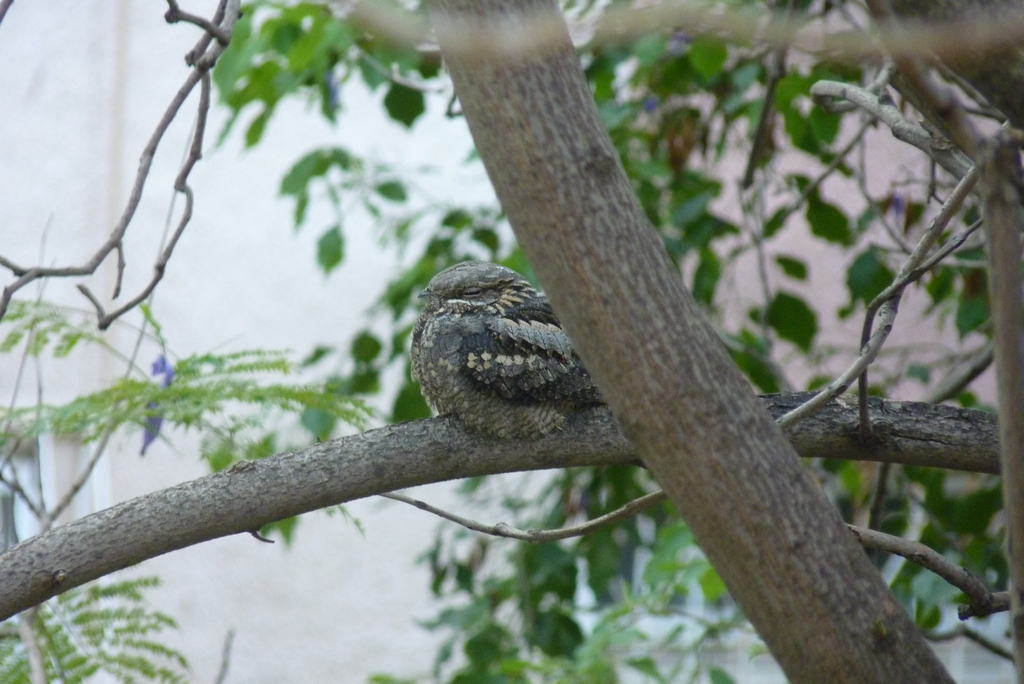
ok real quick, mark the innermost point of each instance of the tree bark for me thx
(998, 74)
(251, 494)
(777, 542)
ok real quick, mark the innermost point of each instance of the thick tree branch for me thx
(778, 544)
(953, 40)
(996, 70)
(1004, 219)
(254, 493)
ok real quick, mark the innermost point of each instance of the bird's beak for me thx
(426, 293)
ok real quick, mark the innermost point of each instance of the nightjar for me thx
(488, 350)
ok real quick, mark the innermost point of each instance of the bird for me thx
(489, 351)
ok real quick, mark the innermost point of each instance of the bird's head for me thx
(475, 286)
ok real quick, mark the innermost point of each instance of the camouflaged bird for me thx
(488, 350)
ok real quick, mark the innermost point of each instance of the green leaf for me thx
(254, 133)
(409, 404)
(712, 585)
(557, 634)
(719, 676)
(824, 125)
(708, 55)
(940, 285)
(392, 190)
(792, 267)
(330, 249)
(919, 371)
(793, 320)
(705, 278)
(971, 313)
(404, 104)
(319, 423)
(867, 276)
(646, 666)
(775, 223)
(827, 221)
(366, 347)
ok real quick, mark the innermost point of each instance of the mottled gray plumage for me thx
(488, 350)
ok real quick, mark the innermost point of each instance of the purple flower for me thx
(333, 96)
(650, 103)
(162, 367)
(154, 421)
(898, 206)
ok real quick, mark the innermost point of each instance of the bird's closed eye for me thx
(472, 292)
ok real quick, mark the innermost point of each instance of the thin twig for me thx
(775, 68)
(175, 14)
(36, 666)
(930, 96)
(395, 77)
(962, 376)
(909, 272)
(196, 76)
(201, 73)
(968, 633)
(838, 160)
(69, 496)
(14, 485)
(981, 600)
(886, 306)
(538, 536)
(1000, 604)
(225, 657)
(826, 93)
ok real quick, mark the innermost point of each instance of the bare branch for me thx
(982, 601)
(254, 493)
(175, 14)
(968, 633)
(980, 598)
(53, 514)
(886, 304)
(825, 94)
(536, 33)
(1000, 604)
(538, 536)
(199, 74)
(962, 376)
(908, 273)
(26, 630)
(1004, 219)
(225, 657)
(180, 184)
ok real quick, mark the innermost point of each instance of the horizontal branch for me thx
(251, 494)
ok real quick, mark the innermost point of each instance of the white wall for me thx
(84, 83)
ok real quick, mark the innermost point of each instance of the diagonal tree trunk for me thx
(778, 544)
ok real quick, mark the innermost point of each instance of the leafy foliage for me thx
(677, 109)
(97, 629)
(639, 597)
(206, 394)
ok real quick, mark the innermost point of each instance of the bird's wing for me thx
(527, 357)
